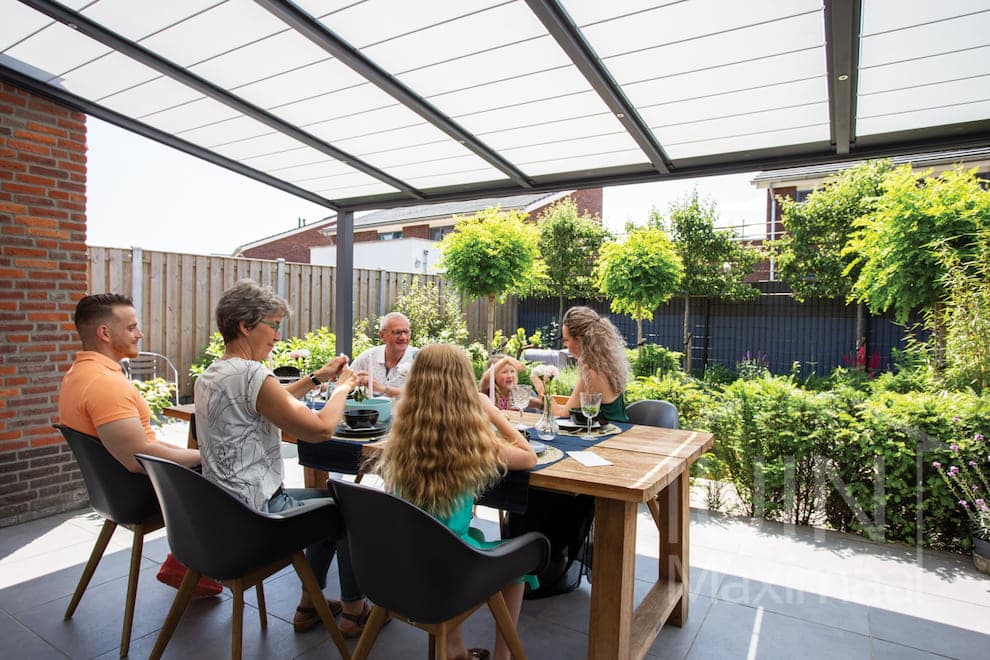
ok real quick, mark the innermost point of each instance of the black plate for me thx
(568, 425)
(345, 431)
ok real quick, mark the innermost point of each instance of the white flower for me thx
(547, 371)
(299, 353)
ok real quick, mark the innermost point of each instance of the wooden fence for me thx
(175, 295)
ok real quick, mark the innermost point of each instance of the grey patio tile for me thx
(675, 643)
(17, 641)
(797, 603)
(739, 631)
(34, 537)
(889, 651)
(964, 643)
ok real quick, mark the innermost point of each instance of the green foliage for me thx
(677, 387)
(752, 366)
(569, 244)
(715, 261)
(433, 318)
(652, 360)
(639, 273)
(158, 393)
(307, 353)
(965, 314)
(809, 256)
(895, 245)
(515, 343)
(564, 383)
(490, 255)
(208, 355)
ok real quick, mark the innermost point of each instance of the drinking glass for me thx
(519, 398)
(591, 403)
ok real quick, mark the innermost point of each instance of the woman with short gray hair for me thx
(241, 411)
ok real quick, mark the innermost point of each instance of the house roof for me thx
(319, 224)
(443, 210)
(765, 179)
(378, 104)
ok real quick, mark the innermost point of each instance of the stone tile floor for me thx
(758, 590)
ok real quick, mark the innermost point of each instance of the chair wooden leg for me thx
(137, 546)
(496, 603)
(312, 587)
(179, 605)
(441, 642)
(94, 560)
(370, 633)
(654, 508)
(259, 589)
(433, 647)
(237, 621)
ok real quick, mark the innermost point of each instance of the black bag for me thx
(566, 521)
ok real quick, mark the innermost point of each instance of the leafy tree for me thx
(896, 247)
(810, 256)
(715, 262)
(489, 255)
(569, 244)
(639, 273)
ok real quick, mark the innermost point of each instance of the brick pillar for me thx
(42, 275)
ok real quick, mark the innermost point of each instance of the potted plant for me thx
(970, 486)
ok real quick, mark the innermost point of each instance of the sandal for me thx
(307, 617)
(358, 620)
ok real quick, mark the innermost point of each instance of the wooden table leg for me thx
(613, 568)
(313, 478)
(675, 565)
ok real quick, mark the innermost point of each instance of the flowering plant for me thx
(546, 372)
(969, 484)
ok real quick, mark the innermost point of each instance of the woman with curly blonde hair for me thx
(442, 453)
(602, 365)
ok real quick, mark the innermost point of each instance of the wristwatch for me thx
(316, 381)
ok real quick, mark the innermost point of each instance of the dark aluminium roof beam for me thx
(560, 25)
(108, 38)
(329, 41)
(842, 32)
(70, 100)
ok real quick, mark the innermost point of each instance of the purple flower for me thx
(978, 437)
(972, 464)
(954, 447)
(980, 503)
(955, 419)
(964, 504)
(953, 471)
(936, 465)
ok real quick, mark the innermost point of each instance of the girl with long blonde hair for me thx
(442, 453)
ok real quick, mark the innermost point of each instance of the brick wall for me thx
(293, 248)
(42, 275)
(588, 201)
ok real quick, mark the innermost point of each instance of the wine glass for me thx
(519, 398)
(591, 403)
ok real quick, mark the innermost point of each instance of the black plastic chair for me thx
(123, 498)
(410, 565)
(215, 534)
(287, 374)
(653, 412)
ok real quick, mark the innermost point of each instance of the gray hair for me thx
(390, 317)
(249, 302)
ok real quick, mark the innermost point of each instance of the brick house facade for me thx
(42, 274)
(292, 245)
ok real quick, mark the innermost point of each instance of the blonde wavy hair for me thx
(441, 446)
(603, 348)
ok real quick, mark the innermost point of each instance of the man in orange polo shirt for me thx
(97, 399)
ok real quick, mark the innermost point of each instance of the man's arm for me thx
(125, 437)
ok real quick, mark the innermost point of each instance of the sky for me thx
(144, 194)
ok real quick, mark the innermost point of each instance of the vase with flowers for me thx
(970, 486)
(546, 428)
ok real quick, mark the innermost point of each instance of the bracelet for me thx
(316, 381)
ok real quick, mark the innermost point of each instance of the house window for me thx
(390, 236)
(436, 233)
(802, 195)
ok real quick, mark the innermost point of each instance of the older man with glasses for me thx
(389, 363)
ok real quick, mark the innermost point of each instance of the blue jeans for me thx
(320, 554)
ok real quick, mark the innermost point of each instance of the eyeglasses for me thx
(399, 333)
(271, 324)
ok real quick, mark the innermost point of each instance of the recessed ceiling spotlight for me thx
(844, 77)
(620, 115)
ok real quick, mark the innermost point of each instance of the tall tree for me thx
(896, 246)
(489, 255)
(716, 262)
(639, 273)
(569, 245)
(810, 258)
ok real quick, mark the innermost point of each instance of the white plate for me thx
(568, 425)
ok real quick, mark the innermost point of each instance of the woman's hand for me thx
(332, 368)
(348, 379)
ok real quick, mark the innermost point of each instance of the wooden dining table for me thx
(649, 465)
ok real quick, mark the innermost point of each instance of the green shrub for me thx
(433, 317)
(158, 393)
(654, 360)
(677, 387)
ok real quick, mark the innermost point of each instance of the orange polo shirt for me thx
(95, 392)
